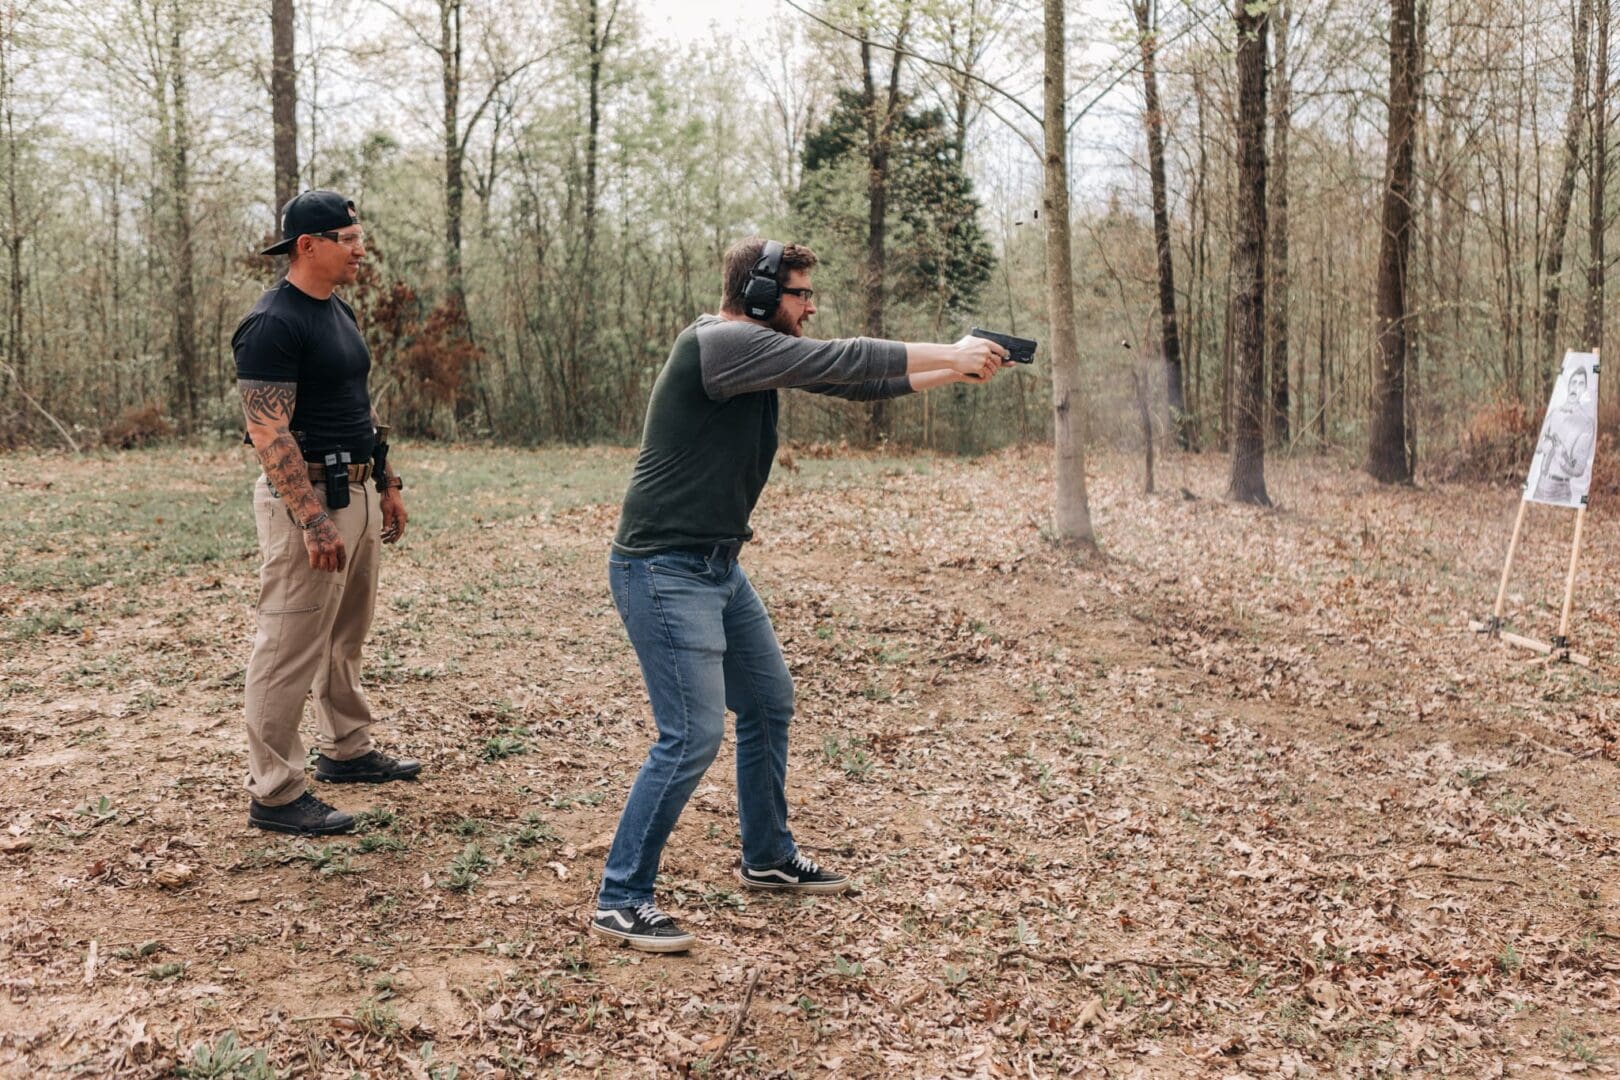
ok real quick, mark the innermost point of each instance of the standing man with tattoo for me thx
(301, 366)
(702, 636)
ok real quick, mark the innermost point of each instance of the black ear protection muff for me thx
(763, 292)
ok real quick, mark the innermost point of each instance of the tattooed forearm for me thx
(284, 466)
(268, 407)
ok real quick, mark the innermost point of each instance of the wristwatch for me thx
(386, 482)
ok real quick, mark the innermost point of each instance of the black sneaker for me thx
(304, 816)
(644, 927)
(372, 767)
(798, 874)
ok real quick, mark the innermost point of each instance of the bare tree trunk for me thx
(1153, 119)
(1323, 265)
(450, 76)
(880, 121)
(1139, 384)
(1592, 335)
(1072, 520)
(15, 353)
(283, 102)
(1558, 222)
(1248, 480)
(1277, 224)
(1388, 455)
(596, 43)
(183, 266)
(1200, 274)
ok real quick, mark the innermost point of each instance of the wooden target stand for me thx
(1558, 649)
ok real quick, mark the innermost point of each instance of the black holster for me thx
(337, 479)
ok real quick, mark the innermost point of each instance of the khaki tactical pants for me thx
(311, 626)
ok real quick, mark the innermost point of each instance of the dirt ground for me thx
(1241, 796)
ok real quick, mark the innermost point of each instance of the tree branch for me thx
(12, 372)
(935, 61)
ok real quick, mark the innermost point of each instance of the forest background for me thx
(547, 189)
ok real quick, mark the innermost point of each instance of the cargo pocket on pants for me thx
(287, 585)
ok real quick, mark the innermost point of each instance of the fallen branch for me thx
(742, 1011)
(1039, 958)
(26, 396)
(324, 1016)
(1523, 738)
(1456, 876)
(1117, 961)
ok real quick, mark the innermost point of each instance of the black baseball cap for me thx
(312, 212)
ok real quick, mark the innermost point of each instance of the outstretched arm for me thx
(927, 380)
(739, 357)
(268, 407)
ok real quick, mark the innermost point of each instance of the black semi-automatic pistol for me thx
(1019, 350)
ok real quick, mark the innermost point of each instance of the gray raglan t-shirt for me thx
(710, 434)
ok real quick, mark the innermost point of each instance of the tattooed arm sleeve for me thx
(269, 408)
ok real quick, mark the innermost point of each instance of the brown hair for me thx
(739, 262)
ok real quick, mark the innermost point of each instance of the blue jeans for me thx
(705, 645)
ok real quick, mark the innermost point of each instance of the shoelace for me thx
(649, 914)
(808, 866)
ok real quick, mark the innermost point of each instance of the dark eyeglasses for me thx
(803, 294)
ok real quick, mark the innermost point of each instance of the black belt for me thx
(728, 552)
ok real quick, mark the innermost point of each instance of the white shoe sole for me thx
(645, 944)
(816, 888)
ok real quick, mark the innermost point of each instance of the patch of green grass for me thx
(874, 692)
(1572, 1045)
(1509, 959)
(380, 842)
(435, 1070)
(378, 1020)
(576, 798)
(1293, 1022)
(379, 817)
(1510, 805)
(466, 868)
(534, 830)
(326, 859)
(138, 952)
(848, 755)
(505, 745)
(469, 827)
(99, 812)
(847, 969)
(42, 623)
(224, 1059)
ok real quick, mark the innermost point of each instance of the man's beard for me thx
(783, 323)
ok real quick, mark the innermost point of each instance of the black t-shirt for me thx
(290, 336)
